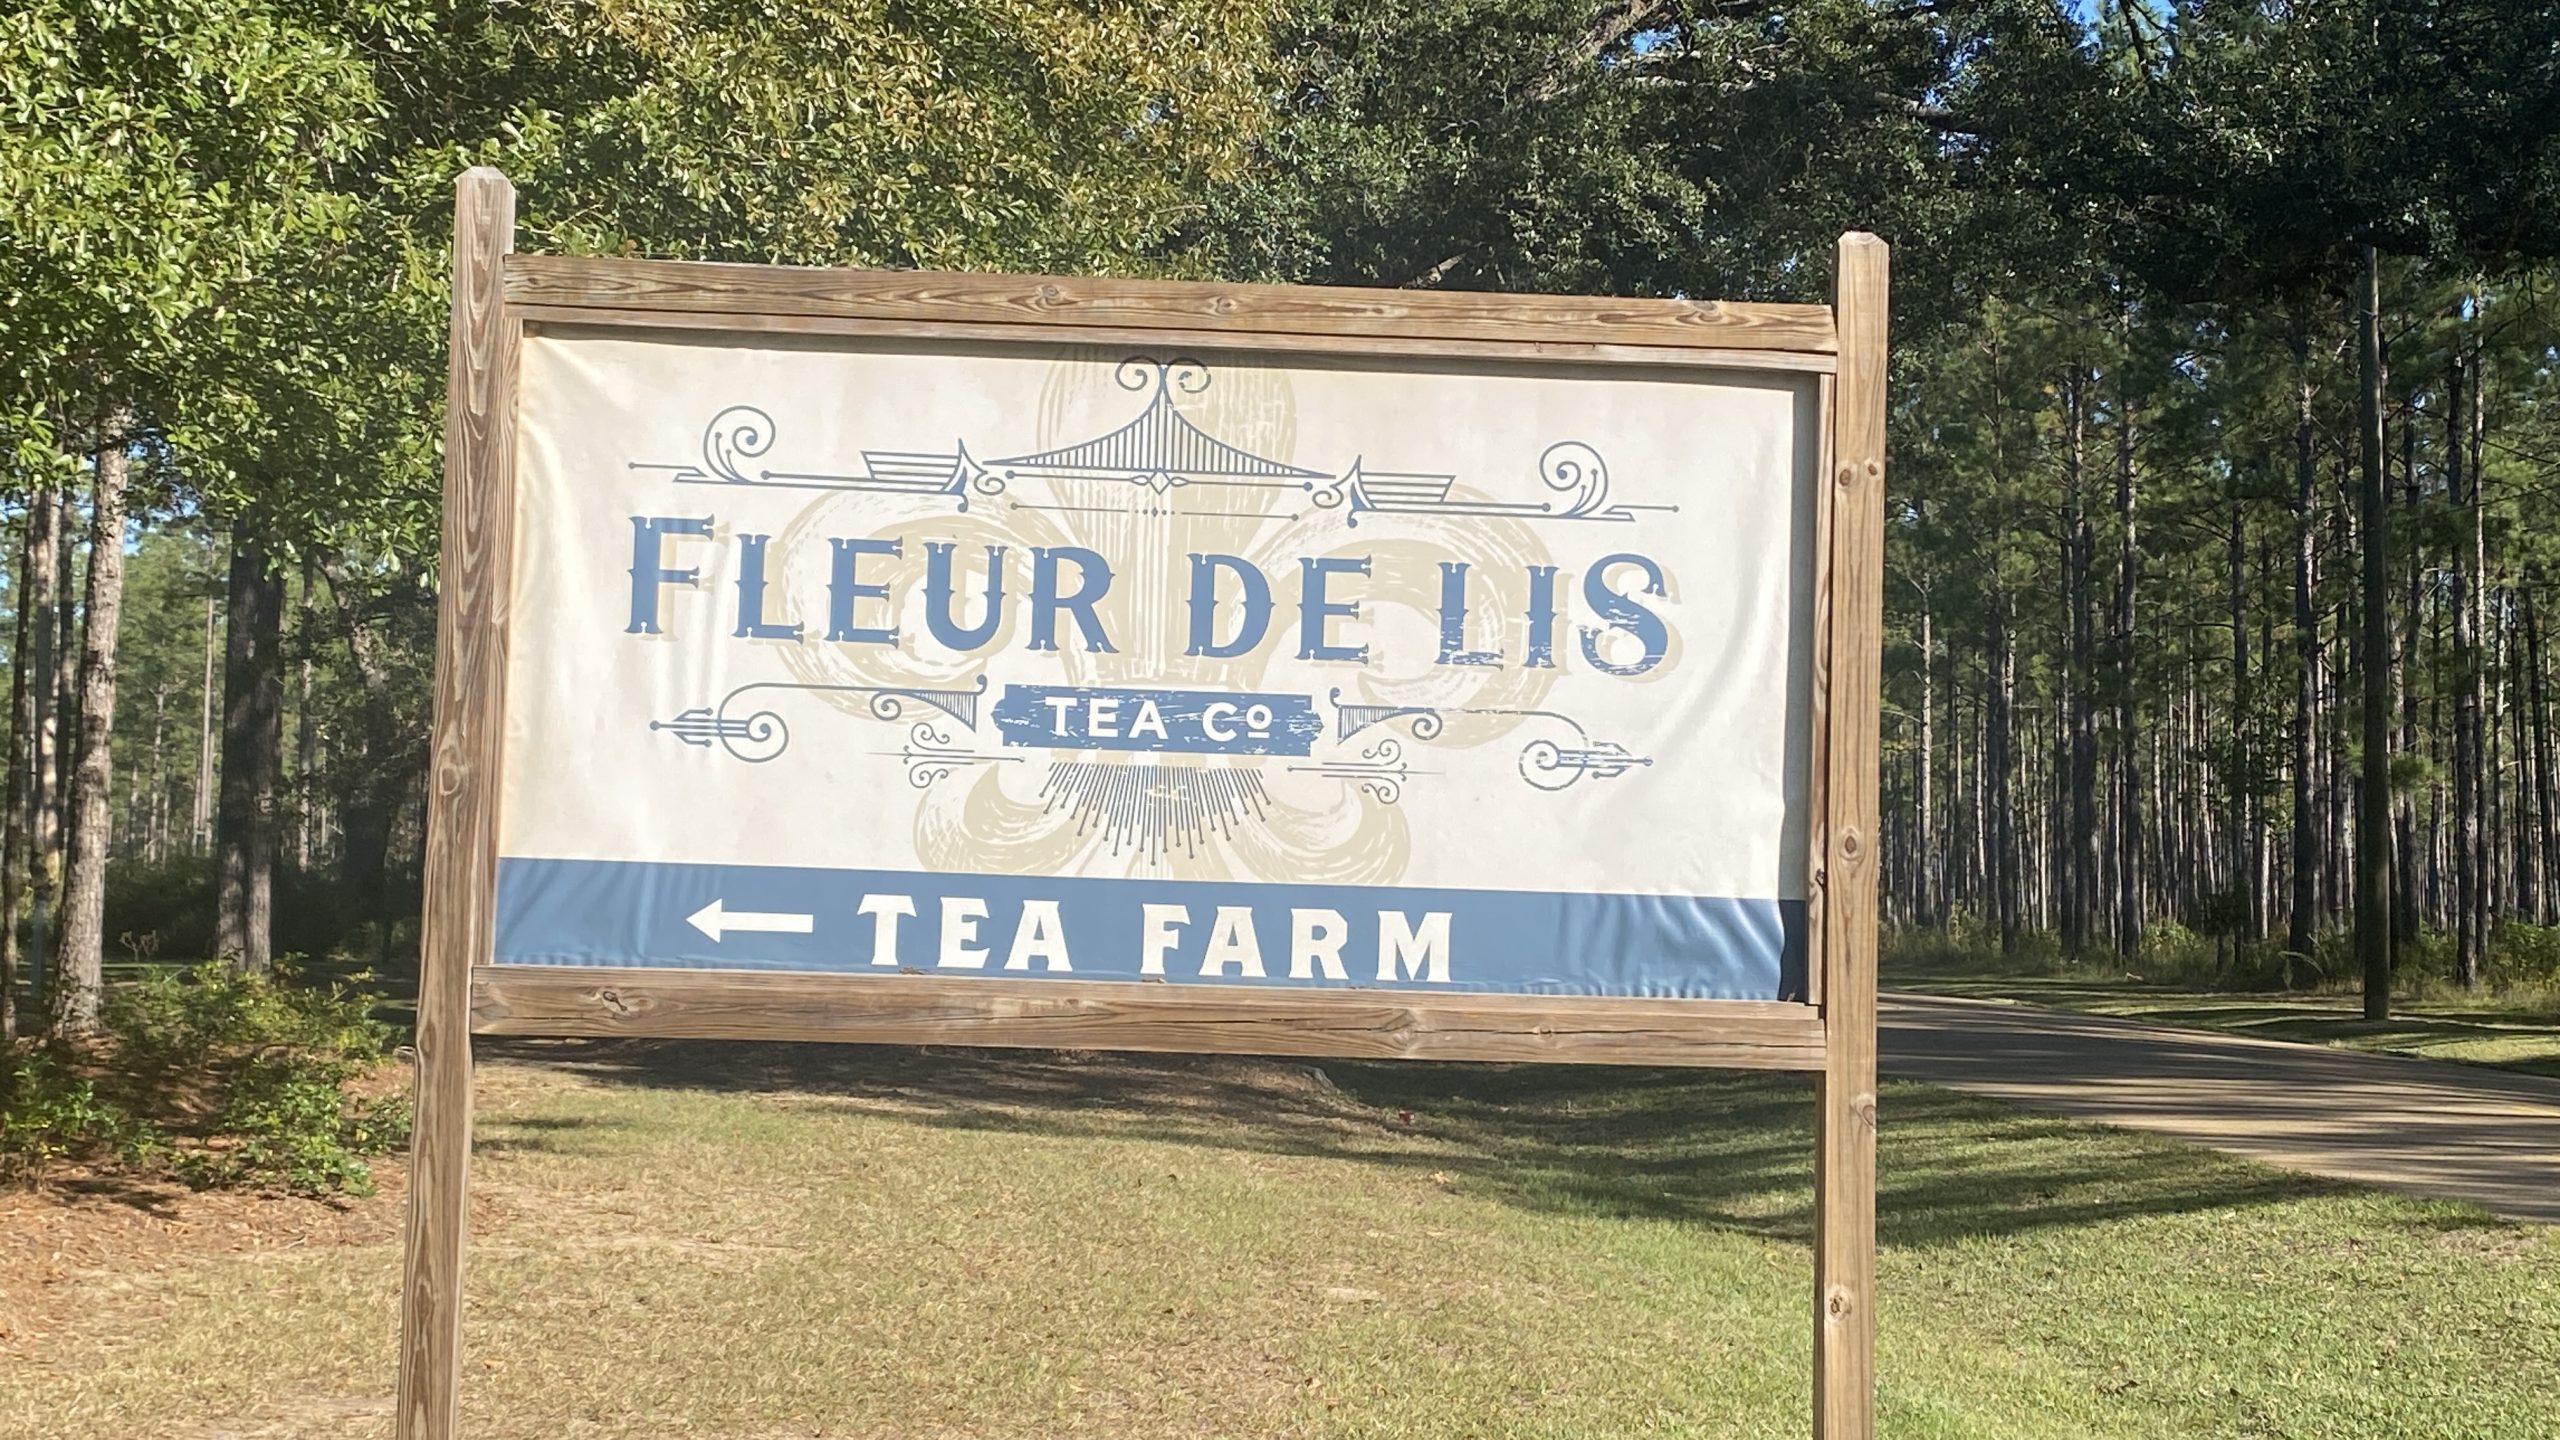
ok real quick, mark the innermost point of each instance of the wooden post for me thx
(462, 801)
(1844, 1260)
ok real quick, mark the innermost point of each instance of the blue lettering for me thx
(1542, 618)
(1093, 581)
(1314, 610)
(1453, 619)
(649, 569)
(845, 588)
(751, 622)
(1624, 612)
(1256, 601)
(941, 609)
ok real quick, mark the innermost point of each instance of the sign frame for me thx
(498, 295)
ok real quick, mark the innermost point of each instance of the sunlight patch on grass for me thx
(2520, 1034)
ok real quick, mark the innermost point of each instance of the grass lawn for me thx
(2510, 1033)
(768, 1242)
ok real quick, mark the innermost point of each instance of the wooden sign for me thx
(1000, 660)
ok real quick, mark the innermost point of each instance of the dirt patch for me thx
(63, 1239)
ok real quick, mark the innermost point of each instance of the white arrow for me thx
(713, 921)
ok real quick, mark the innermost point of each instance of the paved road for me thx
(2464, 1131)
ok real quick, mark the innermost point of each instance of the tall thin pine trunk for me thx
(2247, 875)
(2470, 899)
(2301, 922)
(81, 954)
(2003, 680)
(306, 731)
(200, 823)
(1926, 847)
(13, 795)
(2077, 881)
(2373, 800)
(2546, 784)
(2404, 871)
(2131, 900)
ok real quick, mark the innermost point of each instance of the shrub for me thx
(232, 1078)
(48, 1114)
(2524, 955)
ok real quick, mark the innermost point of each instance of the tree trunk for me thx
(2404, 871)
(252, 755)
(14, 796)
(306, 731)
(200, 821)
(2484, 896)
(2300, 923)
(1929, 908)
(2003, 682)
(2131, 902)
(2546, 785)
(2469, 901)
(2078, 852)
(2373, 799)
(65, 650)
(2531, 827)
(45, 579)
(2248, 894)
(81, 954)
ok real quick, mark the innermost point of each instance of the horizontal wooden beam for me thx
(1313, 311)
(1101, 1015)
(1532, 352)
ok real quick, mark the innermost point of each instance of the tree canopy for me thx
(2128, 416)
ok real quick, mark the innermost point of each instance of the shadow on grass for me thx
(1721, 1148)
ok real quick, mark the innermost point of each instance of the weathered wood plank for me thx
(462, 799)
(1845, 1147)
(1817, 770)
(1311, 310)
(1104, 1015)
(1527, 352)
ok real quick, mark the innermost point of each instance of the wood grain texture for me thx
(1338, 312)
(1817, 771)
(1110, 1015)
(1527, 352)
(1845, 1145)
(462, 798)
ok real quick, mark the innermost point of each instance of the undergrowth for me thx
(213, 1076)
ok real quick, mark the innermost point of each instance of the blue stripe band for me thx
(634, 913)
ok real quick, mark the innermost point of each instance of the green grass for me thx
(2515, 1029)
(765, 1242)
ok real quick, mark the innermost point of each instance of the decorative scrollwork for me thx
(1550, 766)
(978, 477)
(753, 738)
(741, 431)
(1350, 720)
(1546, 764)
(1380, 772)
(891, 704)
(1181, 374)
(762, 735)
(931, 755)
(1571, 466)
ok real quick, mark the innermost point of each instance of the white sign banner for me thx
(1052, 662)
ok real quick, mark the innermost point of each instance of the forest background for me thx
(2225, 419)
